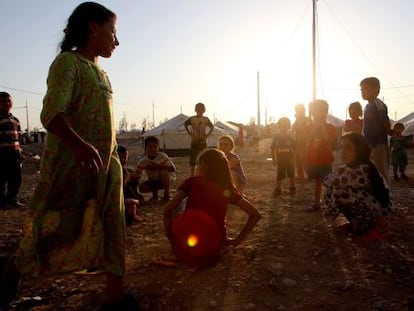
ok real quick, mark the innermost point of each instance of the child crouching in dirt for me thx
(208, 194)
(358, 191)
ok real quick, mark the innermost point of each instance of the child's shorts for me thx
(319, 171)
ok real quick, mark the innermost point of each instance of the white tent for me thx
(335, 121)
(229, 128)
(174, 139)
(408, 122)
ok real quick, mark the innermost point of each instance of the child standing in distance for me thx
(226, 144)
(398, 146)
(301, 121)
(376, 125)
(321, 139)
(158, 168)
(283, 149)
(358, 191)
(196, 127)
(355, 123)
(210, 192)
(10, 154)
(80, 163)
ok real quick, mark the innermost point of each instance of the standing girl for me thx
(80, 167)
(208, 194)
(358, 191)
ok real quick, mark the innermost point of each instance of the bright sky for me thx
(175, 53)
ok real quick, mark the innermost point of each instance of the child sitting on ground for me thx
(208, 193)
(226, 144)
(132, 199)
(283, 149)
(358, 191)
(158, 168)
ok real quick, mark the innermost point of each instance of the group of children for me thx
(359, 188)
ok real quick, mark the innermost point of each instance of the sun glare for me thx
(192, 240)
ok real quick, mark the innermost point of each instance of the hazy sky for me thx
(175, 53)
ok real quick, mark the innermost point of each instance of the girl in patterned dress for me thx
(358, 191)
(75, 218)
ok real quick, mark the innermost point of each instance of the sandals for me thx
(165, 262)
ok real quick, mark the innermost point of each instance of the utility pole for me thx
(153, 114)
(314, 50)
(258, 105)
(27, 117)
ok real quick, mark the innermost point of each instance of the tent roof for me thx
(227, 126)
(335, 121)
(176, 123)
(408, 119)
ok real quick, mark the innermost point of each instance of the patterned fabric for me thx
(9, 132)
(81, 91)
(198, 128)
(349, 191)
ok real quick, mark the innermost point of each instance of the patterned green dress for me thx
(75, 217)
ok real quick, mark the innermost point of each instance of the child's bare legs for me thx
(165, 181)
(278, 189)
(299, 165)
(317, 197)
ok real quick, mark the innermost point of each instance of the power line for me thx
(21, 90)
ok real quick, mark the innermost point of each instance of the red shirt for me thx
(320, 149)
(203, 195)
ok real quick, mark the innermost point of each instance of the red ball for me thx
(196, 239)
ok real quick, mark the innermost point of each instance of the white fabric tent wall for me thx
(174, 139)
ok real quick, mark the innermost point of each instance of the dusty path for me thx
(292, 261)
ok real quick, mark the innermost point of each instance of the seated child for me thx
(158, 168)
(132, 199)
(208, 192)
(358, 191)
(226, 144)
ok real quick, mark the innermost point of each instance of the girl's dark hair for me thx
(77, 28)
(216, 168)
(362, 156)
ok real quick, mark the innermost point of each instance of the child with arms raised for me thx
(208, 194)
(358, 191)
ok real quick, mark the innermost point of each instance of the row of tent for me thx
(175, 140)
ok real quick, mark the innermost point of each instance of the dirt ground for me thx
(293, 260)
